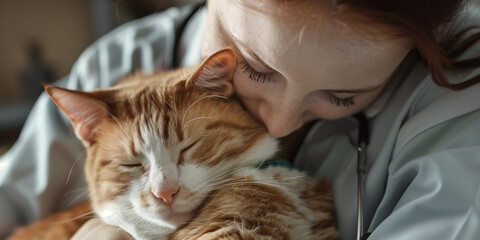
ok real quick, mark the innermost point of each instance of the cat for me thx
(175, 156)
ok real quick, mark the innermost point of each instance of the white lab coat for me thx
(423, 169)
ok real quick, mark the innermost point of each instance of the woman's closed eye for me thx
(267, 77)
(341, 102)
(254, 74)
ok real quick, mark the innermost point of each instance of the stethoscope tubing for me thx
(363, 129)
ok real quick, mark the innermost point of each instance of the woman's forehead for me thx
(303, 50)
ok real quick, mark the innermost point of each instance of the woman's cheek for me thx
(245, 87)
(249, 95)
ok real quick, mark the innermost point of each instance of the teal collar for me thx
(274, 163)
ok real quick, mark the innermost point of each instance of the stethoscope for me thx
(361, 143)
(361, 161)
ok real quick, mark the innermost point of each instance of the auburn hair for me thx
(430, 25)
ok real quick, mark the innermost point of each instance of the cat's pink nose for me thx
(166, 195)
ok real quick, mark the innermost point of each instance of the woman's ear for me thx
(84, 112)
(215, 74)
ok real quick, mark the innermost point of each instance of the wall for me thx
(63, 28)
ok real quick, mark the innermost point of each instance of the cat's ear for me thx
(84, 112)
(215, 74)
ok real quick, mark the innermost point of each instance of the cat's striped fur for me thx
(173, 156)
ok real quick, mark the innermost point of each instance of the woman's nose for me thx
(281, 119)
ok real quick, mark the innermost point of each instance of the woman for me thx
(385, 62)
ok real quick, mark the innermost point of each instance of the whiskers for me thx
(78, 217)
(200, 99)
(74, 163)
(83, 192)
(197, 118)
(225, 176)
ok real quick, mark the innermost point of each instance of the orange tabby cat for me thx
(174, 156)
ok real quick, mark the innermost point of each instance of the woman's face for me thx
(289, 72)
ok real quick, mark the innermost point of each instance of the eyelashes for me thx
(341, 102)
(255, 75)
(266, 77)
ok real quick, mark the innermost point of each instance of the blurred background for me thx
(40, 40)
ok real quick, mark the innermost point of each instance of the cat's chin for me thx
(168, 217)
(178, 218)
(164, 220)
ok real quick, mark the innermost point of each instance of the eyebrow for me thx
(255, 56)
(236, 41)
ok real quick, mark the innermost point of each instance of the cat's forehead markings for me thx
(153, 146)
(126, 146)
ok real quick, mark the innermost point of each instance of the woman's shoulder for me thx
(429, 104)
(167, 20)
(424, 113)
(438, 119)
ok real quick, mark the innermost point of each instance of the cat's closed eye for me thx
(182, 152)
(132, 165)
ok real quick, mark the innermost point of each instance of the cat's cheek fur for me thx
(195, 184)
